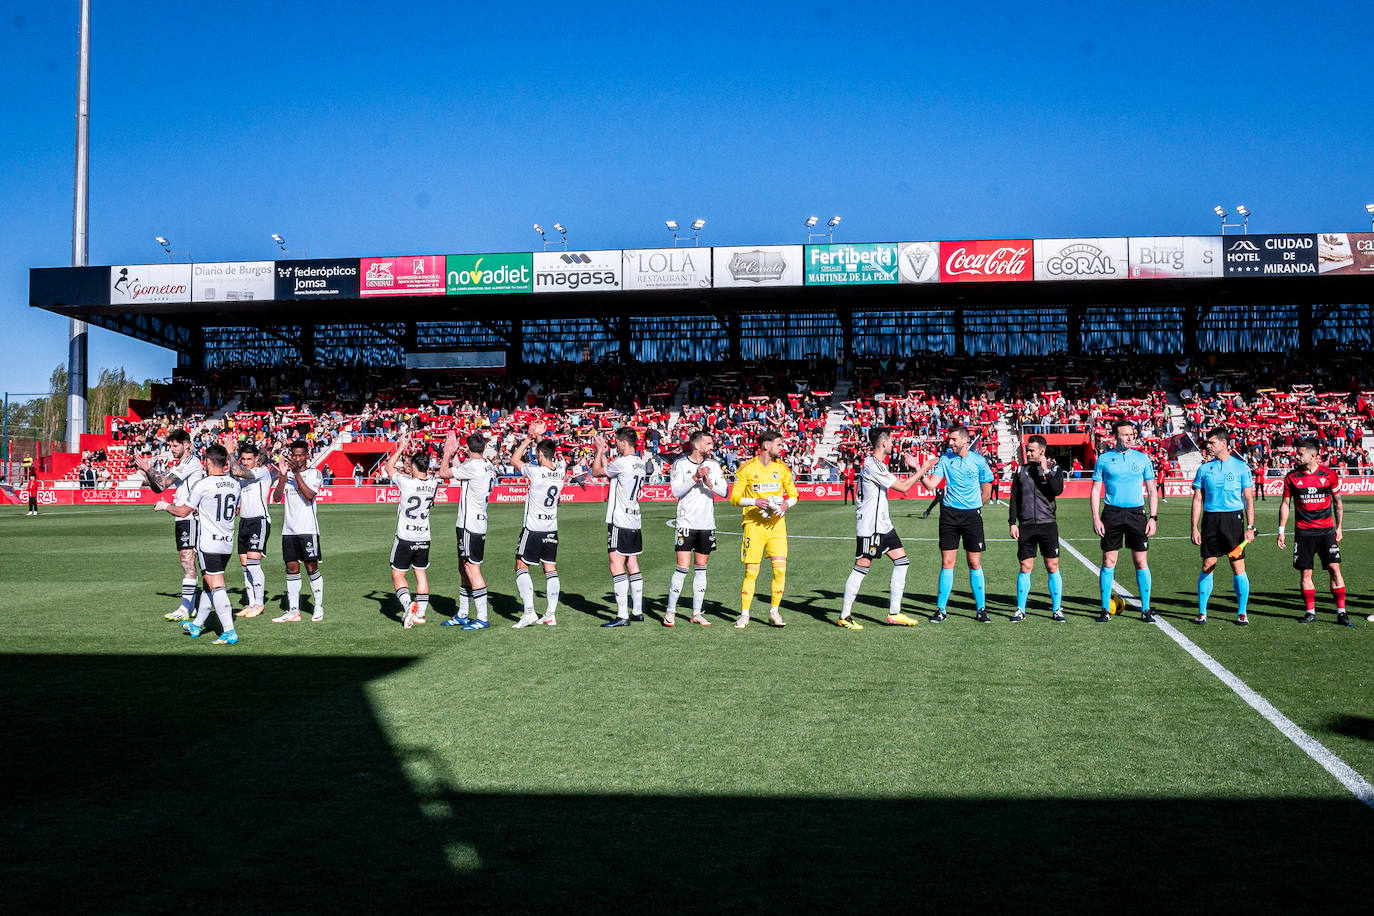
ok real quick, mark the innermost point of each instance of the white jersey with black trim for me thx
(215, 497)
(627, 474)
(186, 472)
(871, 508)
(255, 493)
(412, 511)
(696, 505)
(541, 502)
(300, 515)
(479, 478)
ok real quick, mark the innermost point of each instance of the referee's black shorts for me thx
(961, 524)
(1124, 526)
(1222, 532)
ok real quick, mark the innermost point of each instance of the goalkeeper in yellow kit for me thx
(764, 488)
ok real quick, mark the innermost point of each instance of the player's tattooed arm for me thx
(158, 480)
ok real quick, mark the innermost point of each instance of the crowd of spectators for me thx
(1268, 408)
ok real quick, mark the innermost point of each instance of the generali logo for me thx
(380, 274)
(985, 261)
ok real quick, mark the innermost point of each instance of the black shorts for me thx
(537, 546)
(213, 564)
(961, 524)
(253, 534)
(185, 533)
(471, 546)
(1222, 532)
(875, 545)
(300, 548)
(1124, 525)
(628, 542)
(1307, 547)
(409, 555)
(695, 540)
(1043, 537)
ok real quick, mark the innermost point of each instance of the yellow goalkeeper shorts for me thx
(763, 541)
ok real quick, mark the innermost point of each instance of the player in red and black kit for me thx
(848, 477)
(31, 491)
(1311, 487)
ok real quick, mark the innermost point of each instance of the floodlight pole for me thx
(76, 329)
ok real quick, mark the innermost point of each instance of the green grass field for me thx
(353, 765)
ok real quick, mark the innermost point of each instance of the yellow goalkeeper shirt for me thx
(754, 481)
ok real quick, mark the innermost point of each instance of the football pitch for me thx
(352, 765)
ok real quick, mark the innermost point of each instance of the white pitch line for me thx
(1353, 781)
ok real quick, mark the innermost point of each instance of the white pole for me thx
(76, 334)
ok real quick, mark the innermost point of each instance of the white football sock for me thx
(675, 588)
(525, 587)
(256, 582)
(203, 610)
(421, 603)
(637, 594)
(698, 590)
(223, 610)
(479, 597)
(188, 595)
(851, 588)
(896, 586)
(293, 593)
(551, 583)
(463, 598)
(621, 585)
(403, 596)
(317, 589)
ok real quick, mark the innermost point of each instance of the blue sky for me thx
(356, 129)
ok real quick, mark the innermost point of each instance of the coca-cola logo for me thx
(965, 261)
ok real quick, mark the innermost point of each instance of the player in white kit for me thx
(696, 481)
(539, 538)
(410, 550)
(478, 478)
(624, 528)
(182, 475)
(874, 531)
(298, 485)
(255, 526)
(214, 500)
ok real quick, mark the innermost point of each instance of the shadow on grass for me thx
(1361, 727)
(231, 783)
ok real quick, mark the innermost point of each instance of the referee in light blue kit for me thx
(968, 484)
(1223, 494)
(1126, 476)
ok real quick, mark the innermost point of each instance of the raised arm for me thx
(446, 459)
(158, 480)
(599, 459)
(390, 465)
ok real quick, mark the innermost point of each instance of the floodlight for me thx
(699, 224)
(833, 222)
(1243, 211)
(1219, 210)
(278, 239)
(558, 227)
(1369, 208)
(671, 224)
(538, 228)
(161, 241)
(812, 220)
